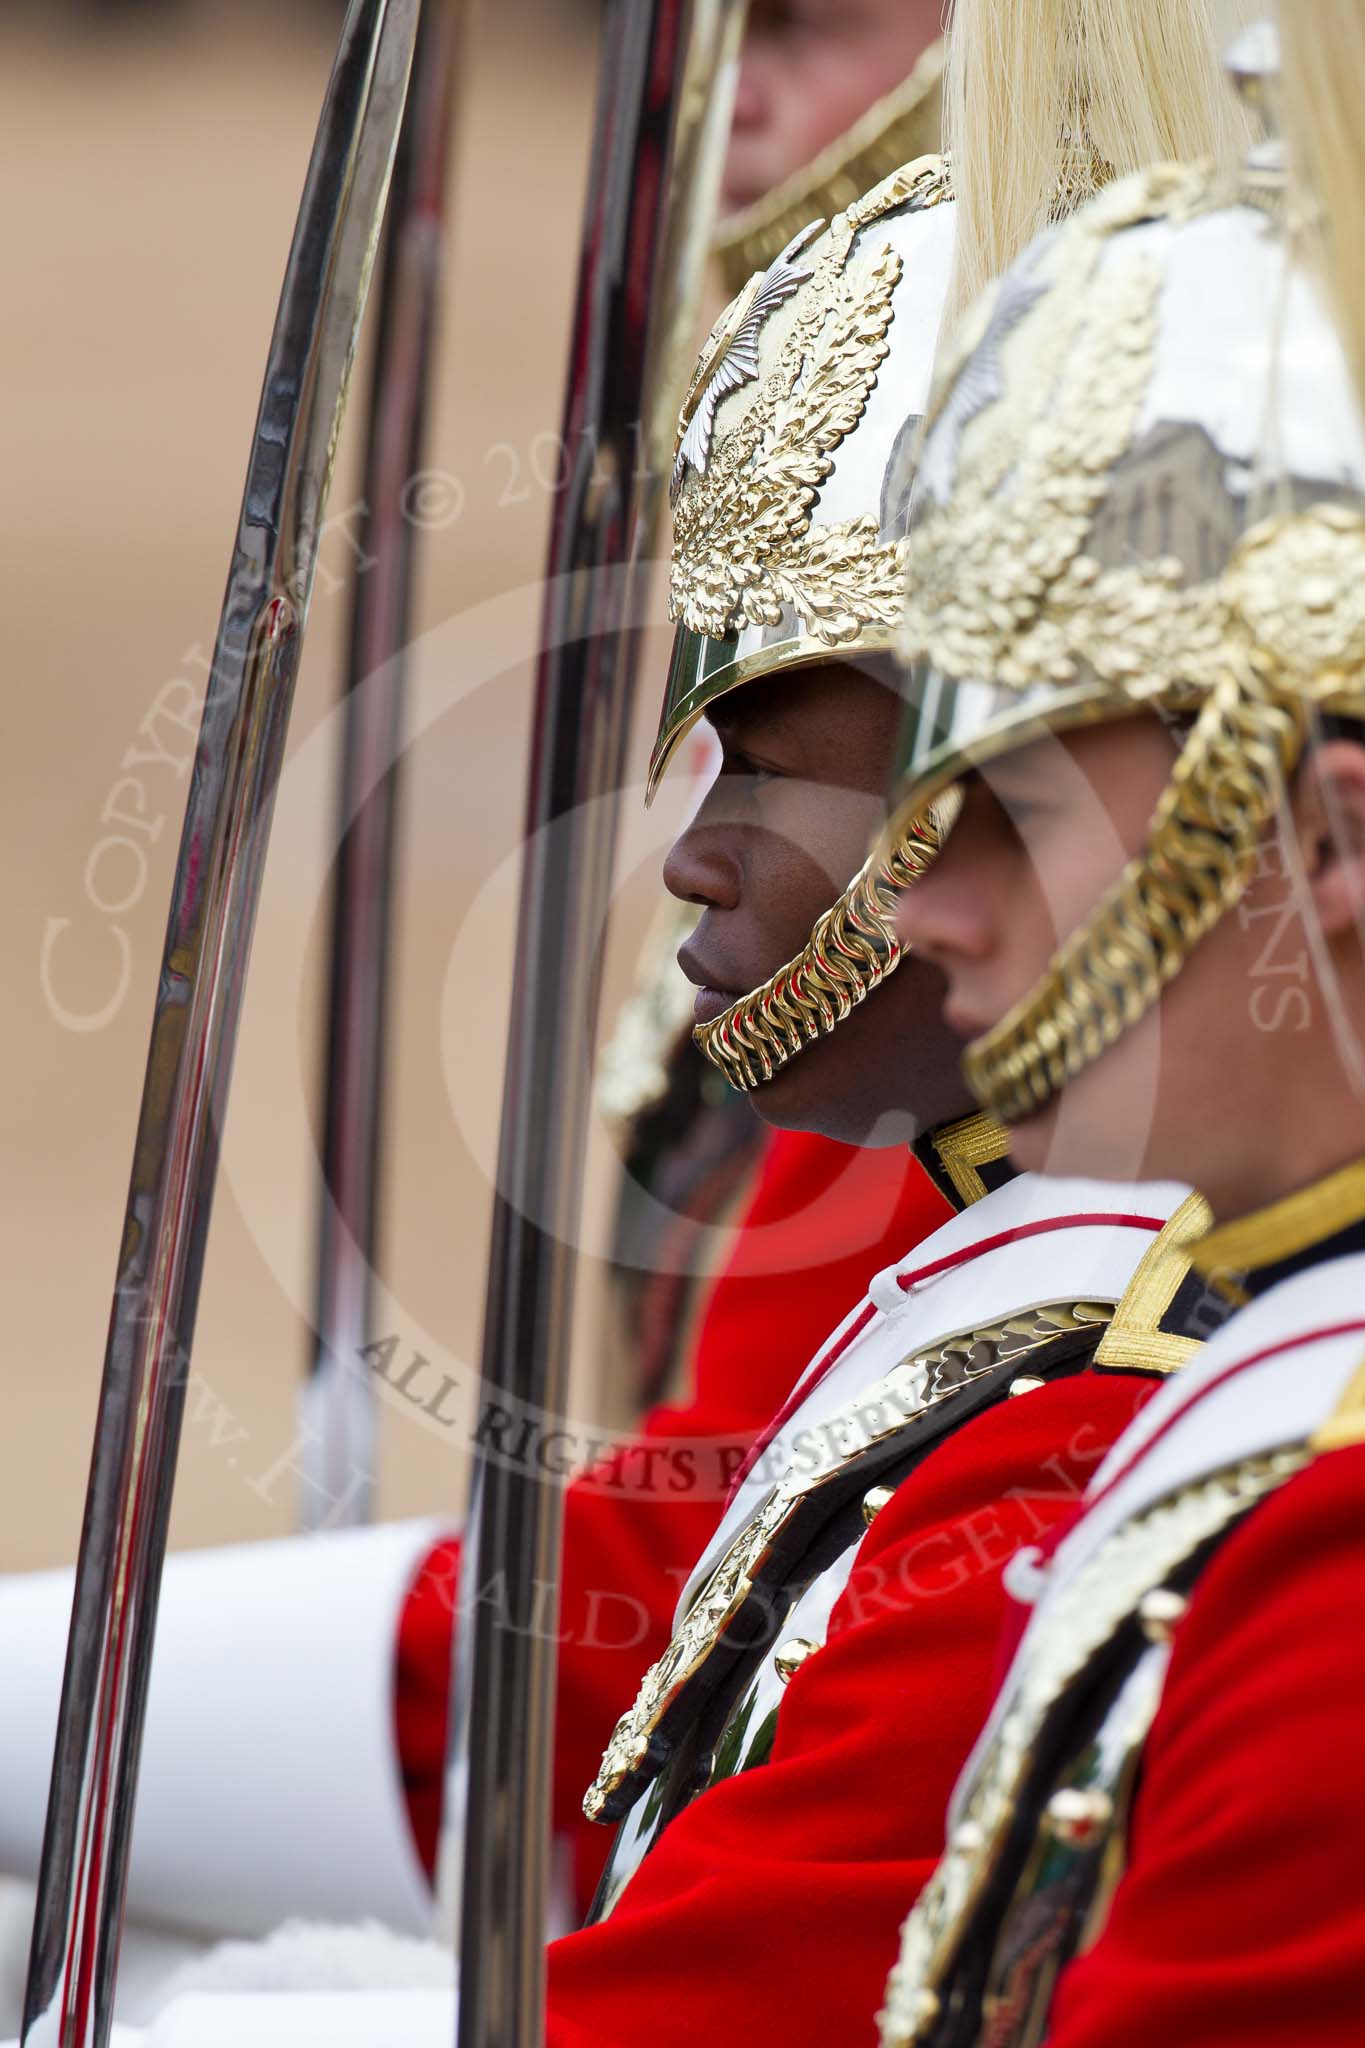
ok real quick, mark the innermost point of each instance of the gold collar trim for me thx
(965, 1147)
(1285, 1228)
(1136, 1340)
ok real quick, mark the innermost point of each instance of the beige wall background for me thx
(152, 177)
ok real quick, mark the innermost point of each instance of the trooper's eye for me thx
(1014, 796)
(774, 17)
(998, 808)
(737, 762)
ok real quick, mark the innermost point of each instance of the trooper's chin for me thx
(799, 1097)
(805, 1096)
(786, 1104)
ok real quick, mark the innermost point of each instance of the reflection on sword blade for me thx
(82, 1880)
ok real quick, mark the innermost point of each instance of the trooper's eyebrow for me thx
(729, 722)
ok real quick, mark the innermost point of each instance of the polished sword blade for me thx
(630, 303)
(338, 1406)
(83, 1875)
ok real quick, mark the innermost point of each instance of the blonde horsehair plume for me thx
(1046, 100)
(1323, 50)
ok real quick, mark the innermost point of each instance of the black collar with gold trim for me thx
(1168, 1310)
(966, 1160)
(1325, 1220)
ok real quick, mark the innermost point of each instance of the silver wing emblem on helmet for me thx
(978, 384)
(730, 357)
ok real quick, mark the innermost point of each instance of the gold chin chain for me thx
(851, 951)
(1199, 859)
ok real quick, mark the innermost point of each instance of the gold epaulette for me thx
(907, 123)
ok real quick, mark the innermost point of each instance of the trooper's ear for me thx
(1329, 812)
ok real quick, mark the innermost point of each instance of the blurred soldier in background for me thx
(811, 70)
(832, 97)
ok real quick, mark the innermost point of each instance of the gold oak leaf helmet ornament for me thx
(1160, 506)
(798, 439)
(730, 356)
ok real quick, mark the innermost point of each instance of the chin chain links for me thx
(851, 951)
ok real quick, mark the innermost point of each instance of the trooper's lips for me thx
(713, 996)
(712, 1003)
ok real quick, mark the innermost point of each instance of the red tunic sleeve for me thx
(1241, 1918)
(822, 1219)
(770, 1909)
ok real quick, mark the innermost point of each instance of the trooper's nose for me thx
(702, 865)
(944, 916)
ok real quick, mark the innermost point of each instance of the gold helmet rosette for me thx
(1142, 488)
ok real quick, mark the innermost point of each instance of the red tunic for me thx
(823, 1218)
(1241, 1918)
(770, 1908)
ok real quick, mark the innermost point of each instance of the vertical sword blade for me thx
(338, 1406)
(504, 1658)
(82, 1879)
